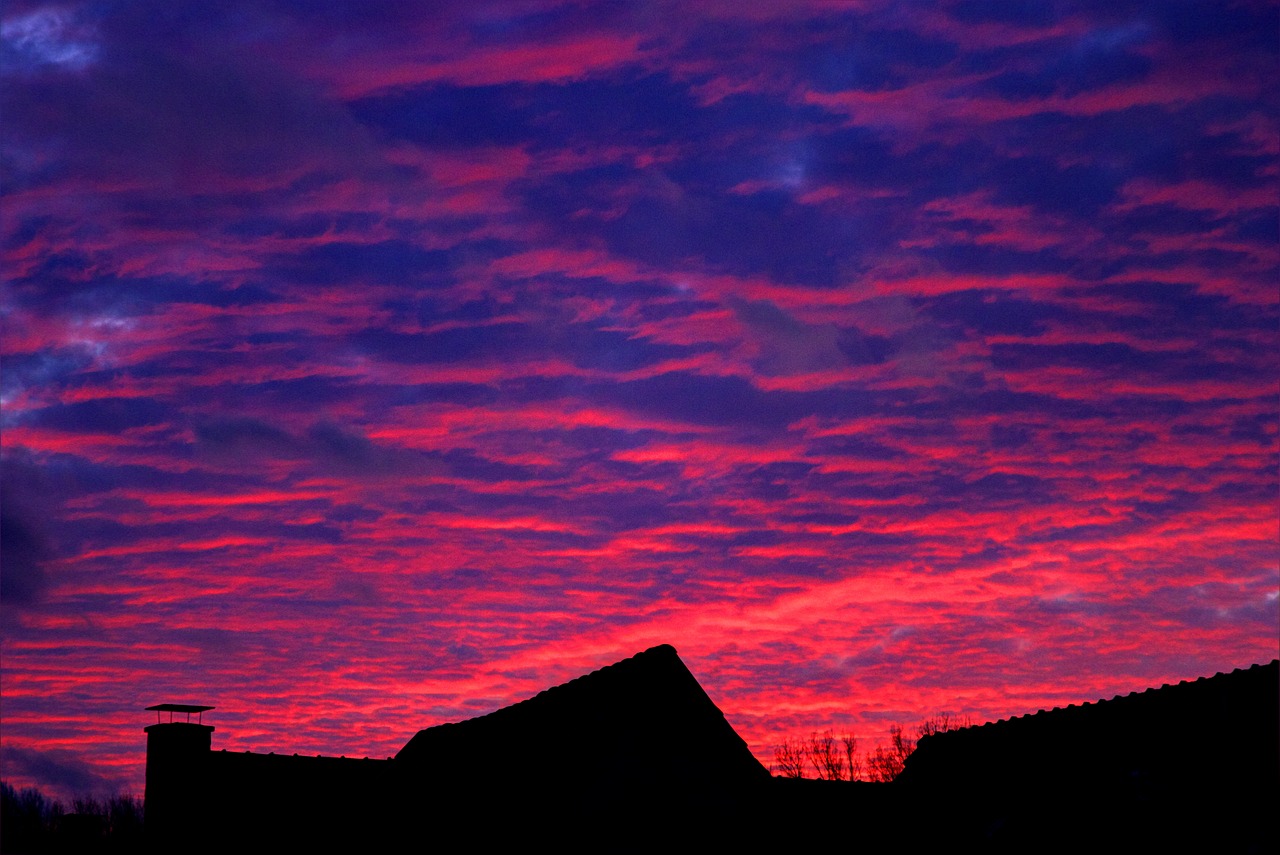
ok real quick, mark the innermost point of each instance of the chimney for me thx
(177, 757)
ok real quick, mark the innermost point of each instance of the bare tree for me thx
(886, 763)
(849, 743)
(826, 757)
(790, 758)
(833, 758)
(941, 723)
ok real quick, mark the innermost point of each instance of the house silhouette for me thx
(635, 748)
(635, 756)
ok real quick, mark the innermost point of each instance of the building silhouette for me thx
(636, 747)
(636, 756)
(1188, 767)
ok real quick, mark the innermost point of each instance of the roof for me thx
(1189, 730)
(642, 721)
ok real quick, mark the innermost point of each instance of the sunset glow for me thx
(368, 367)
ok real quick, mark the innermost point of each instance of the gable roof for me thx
(641, 722)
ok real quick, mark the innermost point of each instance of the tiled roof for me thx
(1143, 728)
(1165, 690)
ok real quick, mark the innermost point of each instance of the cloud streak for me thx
(367, 372)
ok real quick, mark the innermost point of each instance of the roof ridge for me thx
(657, 649)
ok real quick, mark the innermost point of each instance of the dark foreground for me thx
(636, 758)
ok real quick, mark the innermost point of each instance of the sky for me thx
(370, 366)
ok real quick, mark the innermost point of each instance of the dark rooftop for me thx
(644, 718)
(1137, 731)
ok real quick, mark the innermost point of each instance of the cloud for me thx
(59, 773)
(239, 436)
(413, 361)
(48, 36)
(785, 345)
(164, 118)
(26, 551)
(103, 415)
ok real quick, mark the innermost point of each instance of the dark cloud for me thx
(104, 415)
(763, 233)
(847, 56)
(238, 436)
(1245, 24)
(1023, 13)
(63, 284)
(308, 225)
(341, 445)
(701, 400)
(1078, 190)
(1001, 489)
(324, 446)
(988, 313)
(26, 549)
(1174, 306)
(788, 346)
(1082, 65)
(583, 345)
(395, 262)
(451, 116)
(1117, 357)
(56, 771)
(188, 117)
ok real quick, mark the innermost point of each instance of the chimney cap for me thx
(182, 708)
